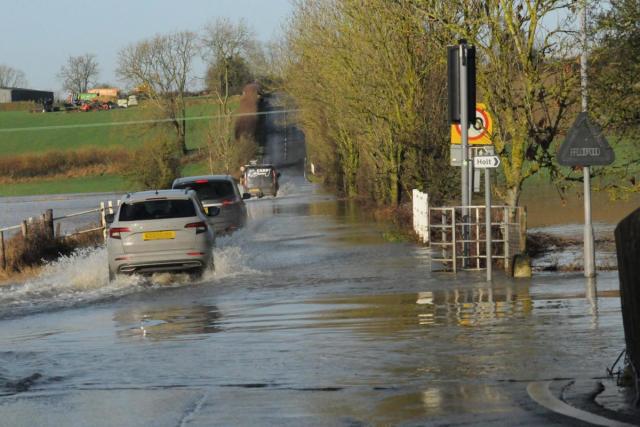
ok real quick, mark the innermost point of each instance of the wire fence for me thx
(50, 224)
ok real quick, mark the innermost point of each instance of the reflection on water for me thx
(381, 315)
(591, 293)
(437, 400)
(167, 323)
(462, 307)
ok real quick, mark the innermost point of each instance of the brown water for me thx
(546, 208)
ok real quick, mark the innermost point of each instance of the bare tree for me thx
(224, 39)
(11, 77)
(227, 47)
(223, 43)
(79, 73)
(163, 65)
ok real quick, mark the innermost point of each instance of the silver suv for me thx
(218, 191)
(157, 231)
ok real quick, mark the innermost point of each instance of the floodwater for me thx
(311, 318)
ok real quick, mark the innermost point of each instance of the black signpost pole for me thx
(462, 107)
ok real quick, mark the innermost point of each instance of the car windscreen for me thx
(259, 177)
(210, 190)
(157, 209)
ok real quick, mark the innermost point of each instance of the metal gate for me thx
(458, 239)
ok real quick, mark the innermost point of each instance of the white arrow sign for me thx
(484, 162)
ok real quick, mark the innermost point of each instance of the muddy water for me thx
(546, 209)
(311, 318)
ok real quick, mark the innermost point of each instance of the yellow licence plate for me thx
(159, 235)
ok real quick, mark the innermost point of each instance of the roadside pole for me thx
(487, 219)
(589, 250)
(585, 146)
(464, 131)
(285, 136)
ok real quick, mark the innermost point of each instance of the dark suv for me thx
(220, 191)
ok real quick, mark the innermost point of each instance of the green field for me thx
(23, 132)
(87, 184)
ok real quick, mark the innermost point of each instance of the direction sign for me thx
(486, 162)
(585, 145)
(479, 130)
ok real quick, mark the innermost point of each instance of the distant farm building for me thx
(13, 94)
(111, 92)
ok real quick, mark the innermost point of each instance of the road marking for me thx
(191, 413)
(539, 392)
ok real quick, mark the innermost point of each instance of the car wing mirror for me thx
(109, 218)
(246, 196)
(212, 211)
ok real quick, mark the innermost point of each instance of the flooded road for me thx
(312, 318)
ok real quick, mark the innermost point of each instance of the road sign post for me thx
(585, 146)
(462, 98)
(487, 163)
(464, 126)
(487, 219)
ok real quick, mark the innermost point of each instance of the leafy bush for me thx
(155, 165)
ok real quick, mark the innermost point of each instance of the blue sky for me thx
(37, 36)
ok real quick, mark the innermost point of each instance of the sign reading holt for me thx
(585, 145)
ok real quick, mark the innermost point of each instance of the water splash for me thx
(79, 277)
(288, 189)
(231, 256)
(82, 277)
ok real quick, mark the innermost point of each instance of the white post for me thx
(103, 221)
(589, 250)
(487, 219)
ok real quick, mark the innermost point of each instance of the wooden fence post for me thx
(23, 228)
(3, 259)
(47, 223)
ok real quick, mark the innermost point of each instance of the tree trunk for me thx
(513, 196)
(183, 141)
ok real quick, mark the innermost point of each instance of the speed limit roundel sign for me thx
(480, 130)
